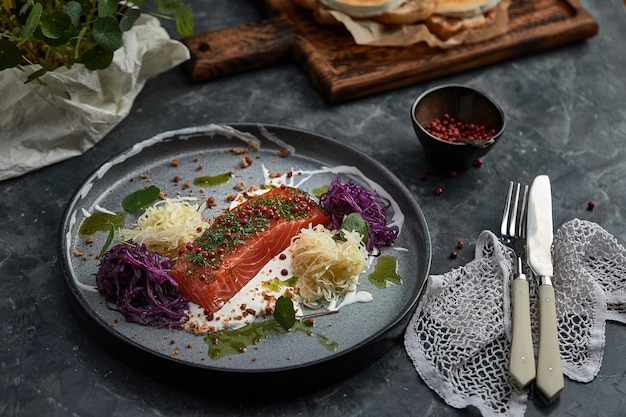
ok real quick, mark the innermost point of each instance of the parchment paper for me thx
(65, 112)
(369, 32)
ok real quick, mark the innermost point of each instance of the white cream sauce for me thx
(253, 300)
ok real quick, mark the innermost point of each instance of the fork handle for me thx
(522, 361)
(549, 371)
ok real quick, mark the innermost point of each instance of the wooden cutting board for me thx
(341, 70)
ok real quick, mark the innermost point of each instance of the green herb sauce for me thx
(319, 191)
(385, 271)
(235, 341)
(328, 344)
(231, 342)
(275, 283)
(212, 181)
(101, 222)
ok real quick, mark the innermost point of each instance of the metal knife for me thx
(549, 380)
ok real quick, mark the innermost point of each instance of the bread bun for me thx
(444, 18)
(463, 8)
(445, 27)
(362, 8)
(411, 11)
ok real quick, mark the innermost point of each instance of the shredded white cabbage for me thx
(326, 267)
(168, 225)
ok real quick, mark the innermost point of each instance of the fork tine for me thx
(513, 221)
(521, 230)
(504, 226)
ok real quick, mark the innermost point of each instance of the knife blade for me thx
(549, 379)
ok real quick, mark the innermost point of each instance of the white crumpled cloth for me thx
(460, 335)
(67, 111)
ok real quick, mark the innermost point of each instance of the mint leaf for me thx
(108, 241)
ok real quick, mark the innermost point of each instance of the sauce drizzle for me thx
(212, 181)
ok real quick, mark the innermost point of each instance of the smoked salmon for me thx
(240, 242)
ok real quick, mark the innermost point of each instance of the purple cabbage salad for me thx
(343, 198)
(136, 282)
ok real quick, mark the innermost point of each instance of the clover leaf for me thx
(139, 199)
(284, 314)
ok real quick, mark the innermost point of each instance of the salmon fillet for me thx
(240, 242)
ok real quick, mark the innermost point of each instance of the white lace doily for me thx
(459, 337)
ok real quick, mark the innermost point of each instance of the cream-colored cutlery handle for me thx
(522, 361)
(549, 371)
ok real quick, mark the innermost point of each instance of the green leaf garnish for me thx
(284, 314)
(139, 199)
(355, 222)
(101, 222)
(108, 241)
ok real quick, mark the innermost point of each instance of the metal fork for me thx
(513, 233)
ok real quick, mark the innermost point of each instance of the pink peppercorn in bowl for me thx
(456, 125)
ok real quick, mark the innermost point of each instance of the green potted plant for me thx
(70, 71)
(55, 33)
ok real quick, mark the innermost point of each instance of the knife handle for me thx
(522, 361)
(549, 371)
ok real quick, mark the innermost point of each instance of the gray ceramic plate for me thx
(362, 331)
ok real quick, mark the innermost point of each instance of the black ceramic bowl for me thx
(466, 105)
